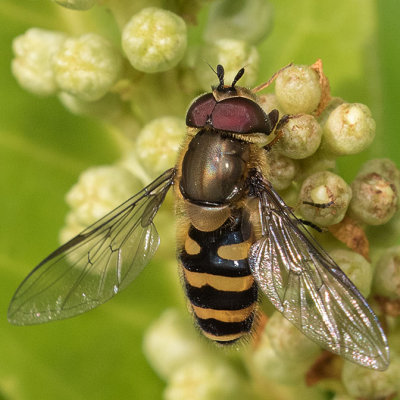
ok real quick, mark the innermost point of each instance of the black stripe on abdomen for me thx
(219, 328)
(208, 297)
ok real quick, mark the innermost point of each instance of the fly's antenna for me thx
(237, 77)
(220, 74)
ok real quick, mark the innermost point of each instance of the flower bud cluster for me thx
(318, 131)
(98, 191)
(192, 369)
(303, 160)
(48, 62)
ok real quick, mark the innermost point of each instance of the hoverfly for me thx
(236, 237)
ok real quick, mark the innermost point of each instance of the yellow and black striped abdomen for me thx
(218, 281)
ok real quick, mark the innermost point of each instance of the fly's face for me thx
(237, 238)
(233, 110)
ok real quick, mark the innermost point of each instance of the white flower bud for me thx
(158, 143)
(232, 55)
(298, 90)
(206, 380)
(301, 137)
(387, 274)
(133, 165)
(99, 190)
(322, 188)
(349, 129)
(32, 65)
(384, 167)
(282, 170)
(288, 342)
(171, 342)
(270, 362)
(77, 4)
(318, 162)
(364, 383)
(356, 267)
(87, 67)
(375, 199)
(73, 226)
(234, 19)
(333, 103)
(266, 363)
(154, 40)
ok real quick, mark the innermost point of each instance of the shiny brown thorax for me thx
(215, 229)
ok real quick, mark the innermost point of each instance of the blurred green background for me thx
(43, 148)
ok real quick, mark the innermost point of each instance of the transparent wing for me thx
(95, 265)
(310, 290)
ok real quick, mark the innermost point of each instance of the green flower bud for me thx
(158, 143)
(76, 4)
(321, 188)
(233, 55)
(206, 380)
(32, 65)
(154, 40)
(349, 129)
(234, 19)
(369, 384)
(301, 137)
(356, 267)
(87, 67)
(375, 199)
(282, 170)
(298, 90)
(99, 190)
(387, 274)
(288, 342)
(171, 343)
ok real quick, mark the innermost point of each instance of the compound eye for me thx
(200, 111)
(240, 115)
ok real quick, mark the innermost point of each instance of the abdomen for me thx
(218, 282)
